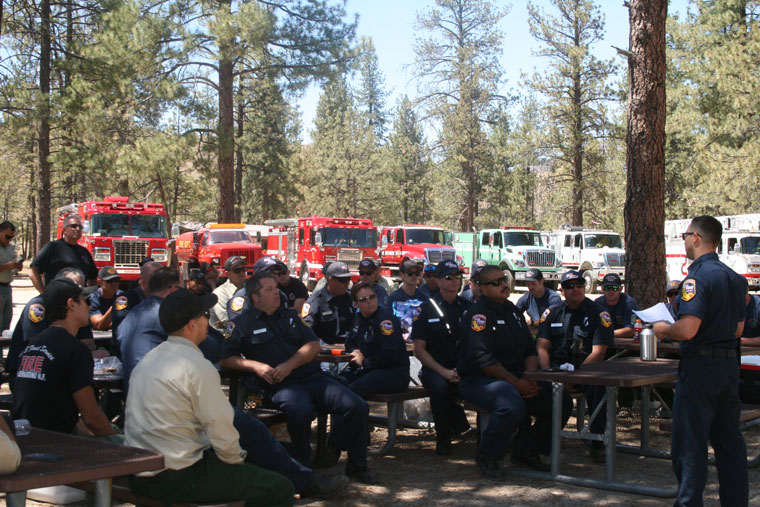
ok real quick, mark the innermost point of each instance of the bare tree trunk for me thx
(226, 131)
(644, 204)
(43, 142)
(239, 167)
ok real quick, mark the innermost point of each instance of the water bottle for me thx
(648, 350)
(637, 326)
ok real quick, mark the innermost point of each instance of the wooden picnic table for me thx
(79, 459)
(627, 372)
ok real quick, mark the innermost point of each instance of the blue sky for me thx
(390, 24)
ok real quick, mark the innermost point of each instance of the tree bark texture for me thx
(645, 158)
(225, 137)
(43, 141)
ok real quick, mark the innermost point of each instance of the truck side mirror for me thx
(195, 238)
(384, 240)
(318, 239)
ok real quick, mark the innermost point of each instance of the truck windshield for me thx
(603, 240)
(420, 236)
(118, 225)
(216, 237)
(522, 239)
(751, 245)
(358, 238)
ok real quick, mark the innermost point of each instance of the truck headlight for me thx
(159, 254)
(519, 263)
(598, 264)
(101, 254)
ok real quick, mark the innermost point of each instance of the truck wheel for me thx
(303, 275)
(588, 277)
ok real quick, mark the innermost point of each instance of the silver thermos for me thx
(648, 349)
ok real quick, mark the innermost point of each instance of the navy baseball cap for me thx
(569, 276)
(409, 264)
(263, 264)
(107, 273)
(673, 285)
(367, 264)
(533, 275)
(337, 270)
(611, 279)
(477, 266)
(444, 268)
(182, 305)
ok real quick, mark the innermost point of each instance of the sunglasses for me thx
(684, 234)
(342, 280)
(9, 237)
(453, 277)
(112, 280)
(495, 282)
(614, 288)
(671, 293)
(413, 273)
(366, 298)
(574, 285)
(74, 226)
(366, 273)
(238, 270)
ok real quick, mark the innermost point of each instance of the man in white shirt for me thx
(175, 406)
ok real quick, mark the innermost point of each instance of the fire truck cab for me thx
(215, 243)
(411, 241)
(307, 244)
(120, 233)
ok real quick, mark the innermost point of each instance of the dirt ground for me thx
(413, 475)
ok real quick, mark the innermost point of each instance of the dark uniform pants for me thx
(266, 452)
(448, 414)
(302, 400)
(706, 408)
(375, 381)
(210, 480)
(507, 410)
(536, 436)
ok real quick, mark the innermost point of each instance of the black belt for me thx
(5, 284)
(712, 353)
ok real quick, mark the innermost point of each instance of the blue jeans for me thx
(707, 408)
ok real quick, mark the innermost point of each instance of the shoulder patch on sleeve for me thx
(229, 330)
(237, 303)
(545, 315)
(386, 327)
(121, 302)
(305, 310)
(36, 313)
(478, 322)
(605, 318)
(689, 289)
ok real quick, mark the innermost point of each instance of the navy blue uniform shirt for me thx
(622, 313)
(270, 339)
(716, 294)
(100, 305)
(382, 295)
(752, 318)
(330, 317)
(441, 333)
(536, 306)
(495, 333)
(238, 304)
(586, 326)
(379, 338)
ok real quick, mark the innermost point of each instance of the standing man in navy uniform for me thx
(711, 311)
(61, 253)
(276, 345)
(577, 331)
(436, 334)
(329, 311)
(619, 305)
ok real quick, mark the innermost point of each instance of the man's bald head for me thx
(146, 270)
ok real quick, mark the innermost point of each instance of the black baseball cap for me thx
(265, 262)
(367, 264)
(477, 267)
(444, 268)
(409, 264)
(181, 306)
(59, 291)
(234, 261)
(107, 273)
(611, 279)
(533, 275)
(569, 276)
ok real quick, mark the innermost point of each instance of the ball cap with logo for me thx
(181, 306)
(569, 276)
(533, 275)
(338, 270)
(477, 267)
(58, 292)
(264, 263)
(367, 264)
(673, 285)
(107, 273)
(233, 262)
(444, 268)
(611, 279)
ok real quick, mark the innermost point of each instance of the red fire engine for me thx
(306, 244)
(411, 241)
(120, 233)
(214, 244)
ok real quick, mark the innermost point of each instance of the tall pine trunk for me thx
(43, 141)
(645, 158)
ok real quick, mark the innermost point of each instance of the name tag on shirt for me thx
(325, 314)
(434, 320)
(259, 331)
(556, 324)
(500, 322)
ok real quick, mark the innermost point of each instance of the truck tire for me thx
(303, 275)
(588, 277)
